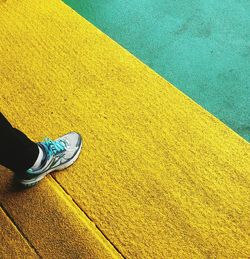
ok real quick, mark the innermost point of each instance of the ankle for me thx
(39, 161)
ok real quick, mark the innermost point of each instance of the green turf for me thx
(201, 46)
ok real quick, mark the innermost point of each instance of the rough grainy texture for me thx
(159, 176)
(201, 46)
(13, 245)
(52, 223)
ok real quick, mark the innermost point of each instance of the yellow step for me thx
(159, 176)
(51, 221)
(13, 244)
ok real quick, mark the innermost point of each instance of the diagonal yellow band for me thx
(159, 176)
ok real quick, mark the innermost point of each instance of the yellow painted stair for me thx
(158, 177)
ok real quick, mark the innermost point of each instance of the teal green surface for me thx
(201, 46)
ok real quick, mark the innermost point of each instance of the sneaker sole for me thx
(30, 183)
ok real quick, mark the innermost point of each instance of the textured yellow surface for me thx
(13, 245)
(159, 176)
(52, 223)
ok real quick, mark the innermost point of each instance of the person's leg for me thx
(17, 151)
(30, 161)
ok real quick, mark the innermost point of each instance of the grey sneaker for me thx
(59, 154)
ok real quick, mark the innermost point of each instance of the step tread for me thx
(159, 176)
(12, 242)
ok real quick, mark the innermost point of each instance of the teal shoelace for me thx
(54, 147)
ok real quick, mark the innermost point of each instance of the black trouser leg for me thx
(17, 151)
